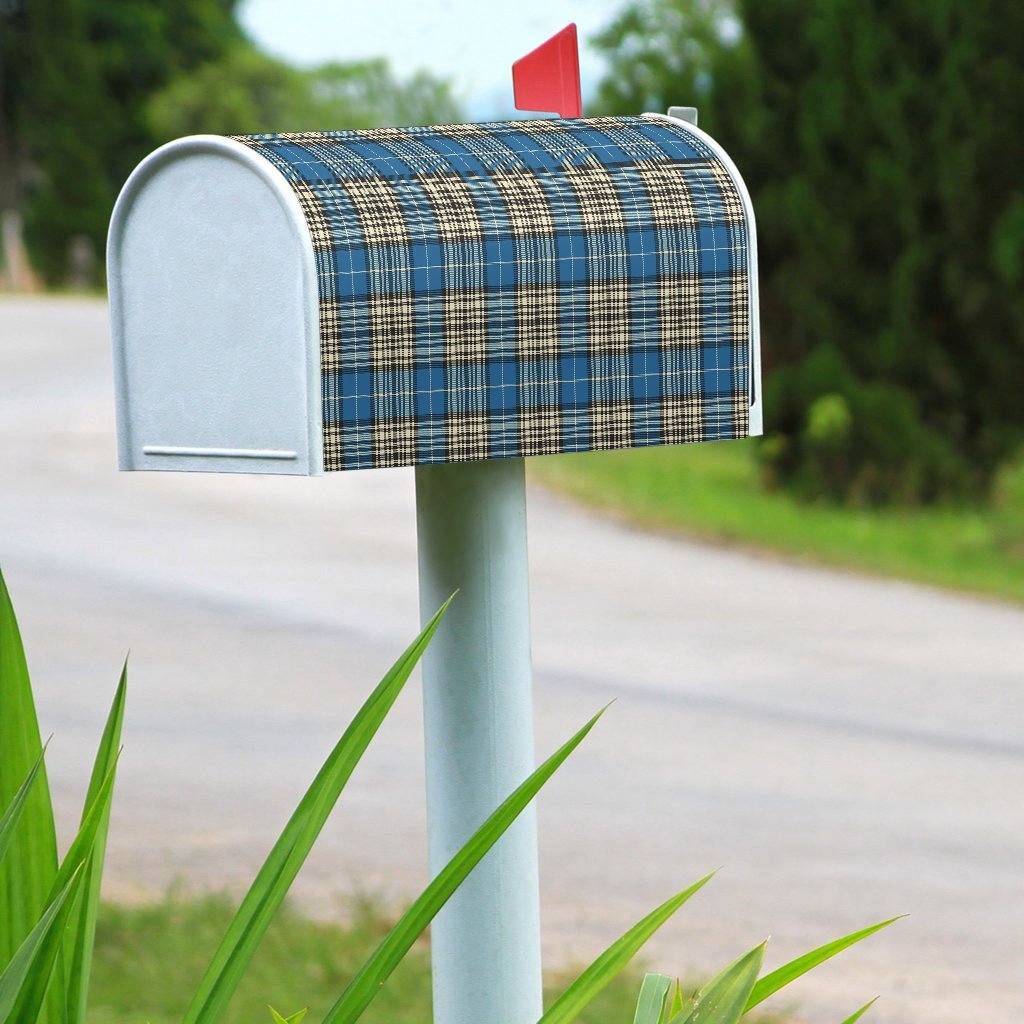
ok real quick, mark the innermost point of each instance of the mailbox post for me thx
(456, 299)
(478, 721)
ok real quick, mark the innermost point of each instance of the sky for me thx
(471, 42)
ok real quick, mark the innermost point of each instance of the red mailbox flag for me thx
(548, 78)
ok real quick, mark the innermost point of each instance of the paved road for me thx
(846, 748)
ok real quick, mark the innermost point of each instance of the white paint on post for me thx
(478, 711)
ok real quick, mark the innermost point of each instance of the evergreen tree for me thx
(880, 141)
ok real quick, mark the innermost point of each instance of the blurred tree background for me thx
(89, 87)
(880, 140)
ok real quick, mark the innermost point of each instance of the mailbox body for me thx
(345, 300)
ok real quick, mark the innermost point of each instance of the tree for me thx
(88, 87)
(248, 92)
(75, 79)
(875, 139)
(244, 92)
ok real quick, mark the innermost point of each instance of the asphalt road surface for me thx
(845, 748)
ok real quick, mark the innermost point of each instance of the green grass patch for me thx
(150, 958)
(713, 491)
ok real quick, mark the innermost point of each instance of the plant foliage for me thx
(725, 999)
(48, 913)
(49, 909)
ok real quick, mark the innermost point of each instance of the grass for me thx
(149, 958)
(713, 491)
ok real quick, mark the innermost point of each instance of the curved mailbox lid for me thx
(524, 288)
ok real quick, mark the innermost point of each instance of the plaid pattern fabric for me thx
(524, 288)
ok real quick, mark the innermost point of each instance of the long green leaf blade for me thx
(723, 1000)
(84, 843)
(28, 870)
(24, 980)
(13, 813)
(73, 866)
(572, 1001)
(651, 1003)
(782, 976)
(854, 1017)
(282, 864)
(372, 975)
(82, 931)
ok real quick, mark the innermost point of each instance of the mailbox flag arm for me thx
(548, 78)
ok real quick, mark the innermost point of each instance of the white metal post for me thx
(478, 711)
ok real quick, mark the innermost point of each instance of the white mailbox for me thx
(473, 294)
(355, 299)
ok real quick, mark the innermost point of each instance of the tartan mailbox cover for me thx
(357, 299)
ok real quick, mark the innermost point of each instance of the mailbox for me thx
(309, 302)
(320, 301)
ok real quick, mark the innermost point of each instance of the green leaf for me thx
(82, 931)
(651, 1003)
(73, 865)
(860, 1013)
(24, 981)
(295, 1018)
(282, 864)
(676, 1004)
(84, 843)
(30, 866)
(17, 805)
(723, 999)
(372, 975)
(771, 983)
(569, 1004)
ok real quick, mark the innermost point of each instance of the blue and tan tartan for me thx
(524, 288)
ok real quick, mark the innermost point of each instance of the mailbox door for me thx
(216, 321)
